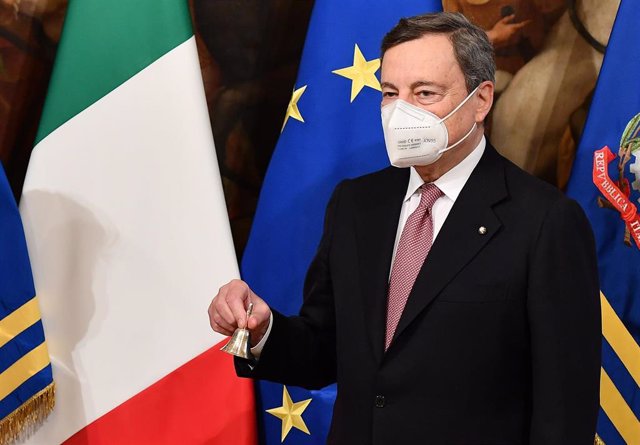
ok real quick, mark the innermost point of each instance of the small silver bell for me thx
(239, 344)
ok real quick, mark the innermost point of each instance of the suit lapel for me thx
(379, 210)
(459, 239)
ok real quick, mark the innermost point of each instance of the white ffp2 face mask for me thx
(414, 136)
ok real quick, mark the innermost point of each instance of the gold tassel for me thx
(24, 421)
(598, 441)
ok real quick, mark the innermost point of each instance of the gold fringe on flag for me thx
(23, 422)
(598, 441)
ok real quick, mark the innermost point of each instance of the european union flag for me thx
(331, 131)
(26, 382)
(606, 181)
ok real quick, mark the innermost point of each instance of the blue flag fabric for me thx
(332, 131)
(26, 382)
(606, 182)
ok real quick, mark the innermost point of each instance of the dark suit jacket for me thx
(499, 342)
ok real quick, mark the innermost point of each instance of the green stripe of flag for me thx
(97, 35)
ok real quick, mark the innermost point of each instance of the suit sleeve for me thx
(564, 315)
(301, 350)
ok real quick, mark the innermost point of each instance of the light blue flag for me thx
(606, 182)
(331, 131)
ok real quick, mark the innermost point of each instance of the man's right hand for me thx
(228, 311)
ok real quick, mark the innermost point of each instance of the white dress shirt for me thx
(451, 184)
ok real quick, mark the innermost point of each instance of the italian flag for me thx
(129, 237)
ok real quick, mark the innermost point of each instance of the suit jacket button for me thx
(380, 401)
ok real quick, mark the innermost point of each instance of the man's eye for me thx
(389, 94)
(425, 93)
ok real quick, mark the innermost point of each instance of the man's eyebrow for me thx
(426, 83)
(414, 85)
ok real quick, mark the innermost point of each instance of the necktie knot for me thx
(429, 195)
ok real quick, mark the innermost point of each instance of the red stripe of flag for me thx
(202, 402)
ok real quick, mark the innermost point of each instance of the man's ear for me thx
(484, 100)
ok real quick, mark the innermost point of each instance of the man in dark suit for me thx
(454, 302)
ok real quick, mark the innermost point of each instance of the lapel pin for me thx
(482, 230)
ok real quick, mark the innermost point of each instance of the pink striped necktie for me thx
(413, 248)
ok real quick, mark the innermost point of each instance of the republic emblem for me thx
(616, 194)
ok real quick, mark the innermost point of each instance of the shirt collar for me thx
(452, 182)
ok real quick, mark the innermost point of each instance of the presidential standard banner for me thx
(606, 182)
(26, 383)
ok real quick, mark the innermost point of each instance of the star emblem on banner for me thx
(362, 73)
(290, 413)
(292, 108)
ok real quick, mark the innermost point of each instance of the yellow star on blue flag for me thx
(290, 413)
(292, 109)
(362, 73)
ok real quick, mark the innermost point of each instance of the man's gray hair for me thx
(471, 46)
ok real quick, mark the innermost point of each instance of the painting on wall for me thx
(548, 56)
